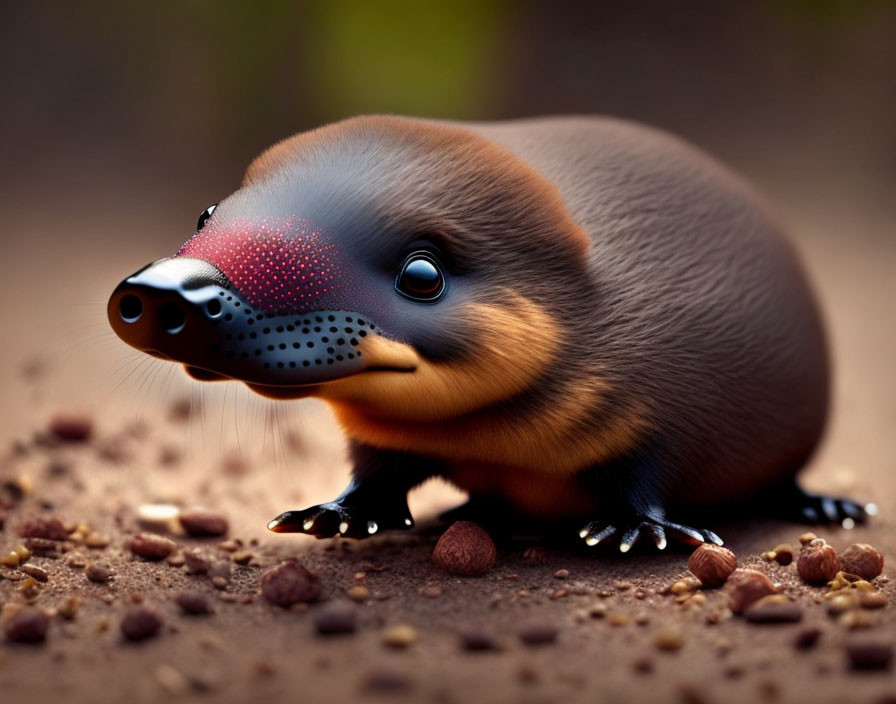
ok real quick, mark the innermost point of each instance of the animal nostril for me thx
(130, 308)
(172, 317)
(213, 307)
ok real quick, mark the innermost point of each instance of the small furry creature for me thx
(574, 319)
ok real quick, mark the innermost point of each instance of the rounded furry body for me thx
(622, 330)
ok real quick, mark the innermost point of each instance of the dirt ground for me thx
(159, 438)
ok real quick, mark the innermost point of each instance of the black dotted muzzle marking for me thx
(190, 314)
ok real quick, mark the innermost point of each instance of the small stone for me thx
(465, 549)
(538, 633)
(194, 603)
(682, 586)
(770, 610)
(618, 619)
(783, 554)
(807, 638)
(598, 611)
(10, 558)
(289, 583)
(32, 570)
(71, 427)
(385, 679)
(29, 588)
(140, 623)
(399, 636)
(747, 586)
(668, 638)
(841, 603)
(336, 618)
(96, 541)
(873, 600)
(807, 538)
(28, 624)
(242, 557)
(862, 559)
(196, 562)
(230, 545)
(358, 593)
(158, 517)
(171, 680)
(201, 522)
(855, 620)
(220, 582)
(40, 546)
(431, 591)
(45, 528)
(476, 641)
(869, 653)
(643, 664)
(151, 546)
(561, 574)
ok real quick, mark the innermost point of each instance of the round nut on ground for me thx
(774, 608)
(783, 554)
(289, 583)
(71, 427)
(151, 546)
(140, 623)
(869, 653)
(818, 562)
(201, 522)
(194, 603)
(98, 572)
(745, 587)
(336, 618)
(465, 549)
(712, 564)
(27, 625)
(400, 636)
(538, 633)
(44, 528)
(862, 559)
(668, 638)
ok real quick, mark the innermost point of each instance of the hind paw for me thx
(652, 524)
(818, 508)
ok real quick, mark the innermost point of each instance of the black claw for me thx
(650, 522)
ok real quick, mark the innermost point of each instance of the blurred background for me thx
(121, 122)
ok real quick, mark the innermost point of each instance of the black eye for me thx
(420, 278)
(206, 214)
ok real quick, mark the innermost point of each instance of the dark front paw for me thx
(352, 521)
(653, 524)
(793, 502)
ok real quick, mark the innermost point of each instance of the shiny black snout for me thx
(185, 310)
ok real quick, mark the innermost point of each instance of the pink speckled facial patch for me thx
(278, 264)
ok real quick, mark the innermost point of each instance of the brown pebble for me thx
(196, 562)
(151, 546)
(538, 633)
(68, 609)
(668, 638)
(71, 427)
(746, 586)
(783, 554)
(561, 574)
(465, 549)
(289, 583)
(807, 638)
(96, 541)
(385, 679)
(869, 653)
(862, 559)
(765, 611)
(28, 624)
(336, 618)
(194, 603)
(431, 591)
(712, 564)
(140, 623)
(358, 593)
(42, 546)
(807, 538)
(40, 574)
(201, 522)
(873, 600)
(399, 636)
(44, 528)
(476, 640)
(98, 572)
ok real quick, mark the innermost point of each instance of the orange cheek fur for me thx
(443, 409)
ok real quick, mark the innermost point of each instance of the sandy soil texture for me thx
(158, 439)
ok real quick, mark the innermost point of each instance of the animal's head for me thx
(409, 269)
